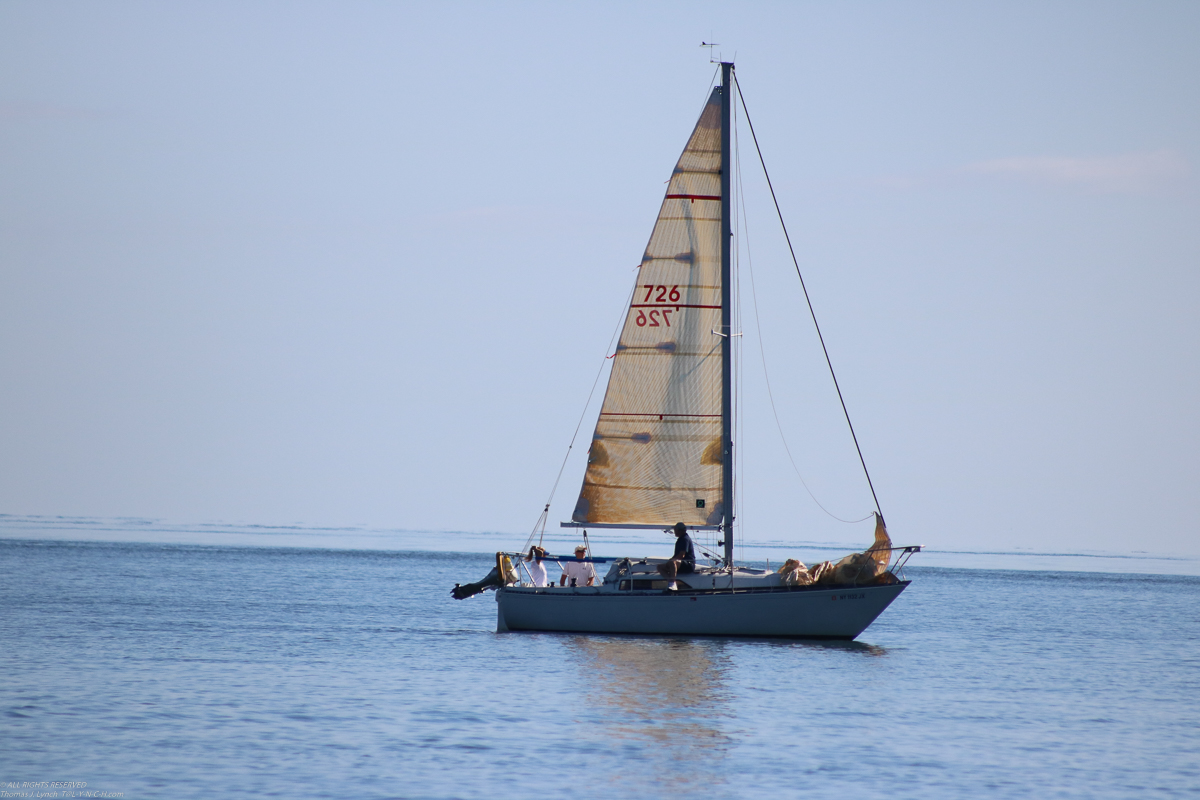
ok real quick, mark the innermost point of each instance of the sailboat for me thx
(663, 452)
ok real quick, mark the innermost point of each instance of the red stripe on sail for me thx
(693, 197)
(666, 305)
(660, 416)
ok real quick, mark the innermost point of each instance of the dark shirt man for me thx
(683, 561)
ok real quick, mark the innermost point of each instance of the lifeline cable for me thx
(808, 300)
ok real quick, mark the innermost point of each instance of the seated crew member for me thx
(683, 561)
(578, 572)
(533, 563)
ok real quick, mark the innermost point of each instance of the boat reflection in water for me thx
(817, 646)
(659, 703)
(663, 706)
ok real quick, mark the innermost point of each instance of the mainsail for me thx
(656, 455)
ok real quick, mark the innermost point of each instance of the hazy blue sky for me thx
(343, 263)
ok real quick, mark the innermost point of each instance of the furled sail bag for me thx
(869, 566)
(794, 573)
(857, 568)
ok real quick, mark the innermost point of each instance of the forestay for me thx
(655, 457)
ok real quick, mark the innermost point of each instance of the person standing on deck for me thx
(533, 563)
(683, 562)
(578, 572)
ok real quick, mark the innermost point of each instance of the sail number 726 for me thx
(660, 294)
(643, 320)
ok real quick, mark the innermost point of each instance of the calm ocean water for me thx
(178, 671)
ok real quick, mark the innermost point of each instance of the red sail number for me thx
(643, 320)
(661, 293)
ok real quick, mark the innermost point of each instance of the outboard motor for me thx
(501, 575)
(492, 581)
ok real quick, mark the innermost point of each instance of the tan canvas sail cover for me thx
(655, 457)
(881, 550)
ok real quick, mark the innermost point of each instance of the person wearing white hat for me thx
(578, 572)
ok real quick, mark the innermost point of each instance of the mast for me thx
(726, 317)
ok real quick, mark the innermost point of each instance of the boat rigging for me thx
(662, 451)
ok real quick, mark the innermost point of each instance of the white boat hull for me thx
(800, 612)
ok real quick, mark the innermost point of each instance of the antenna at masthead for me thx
(710, 46)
